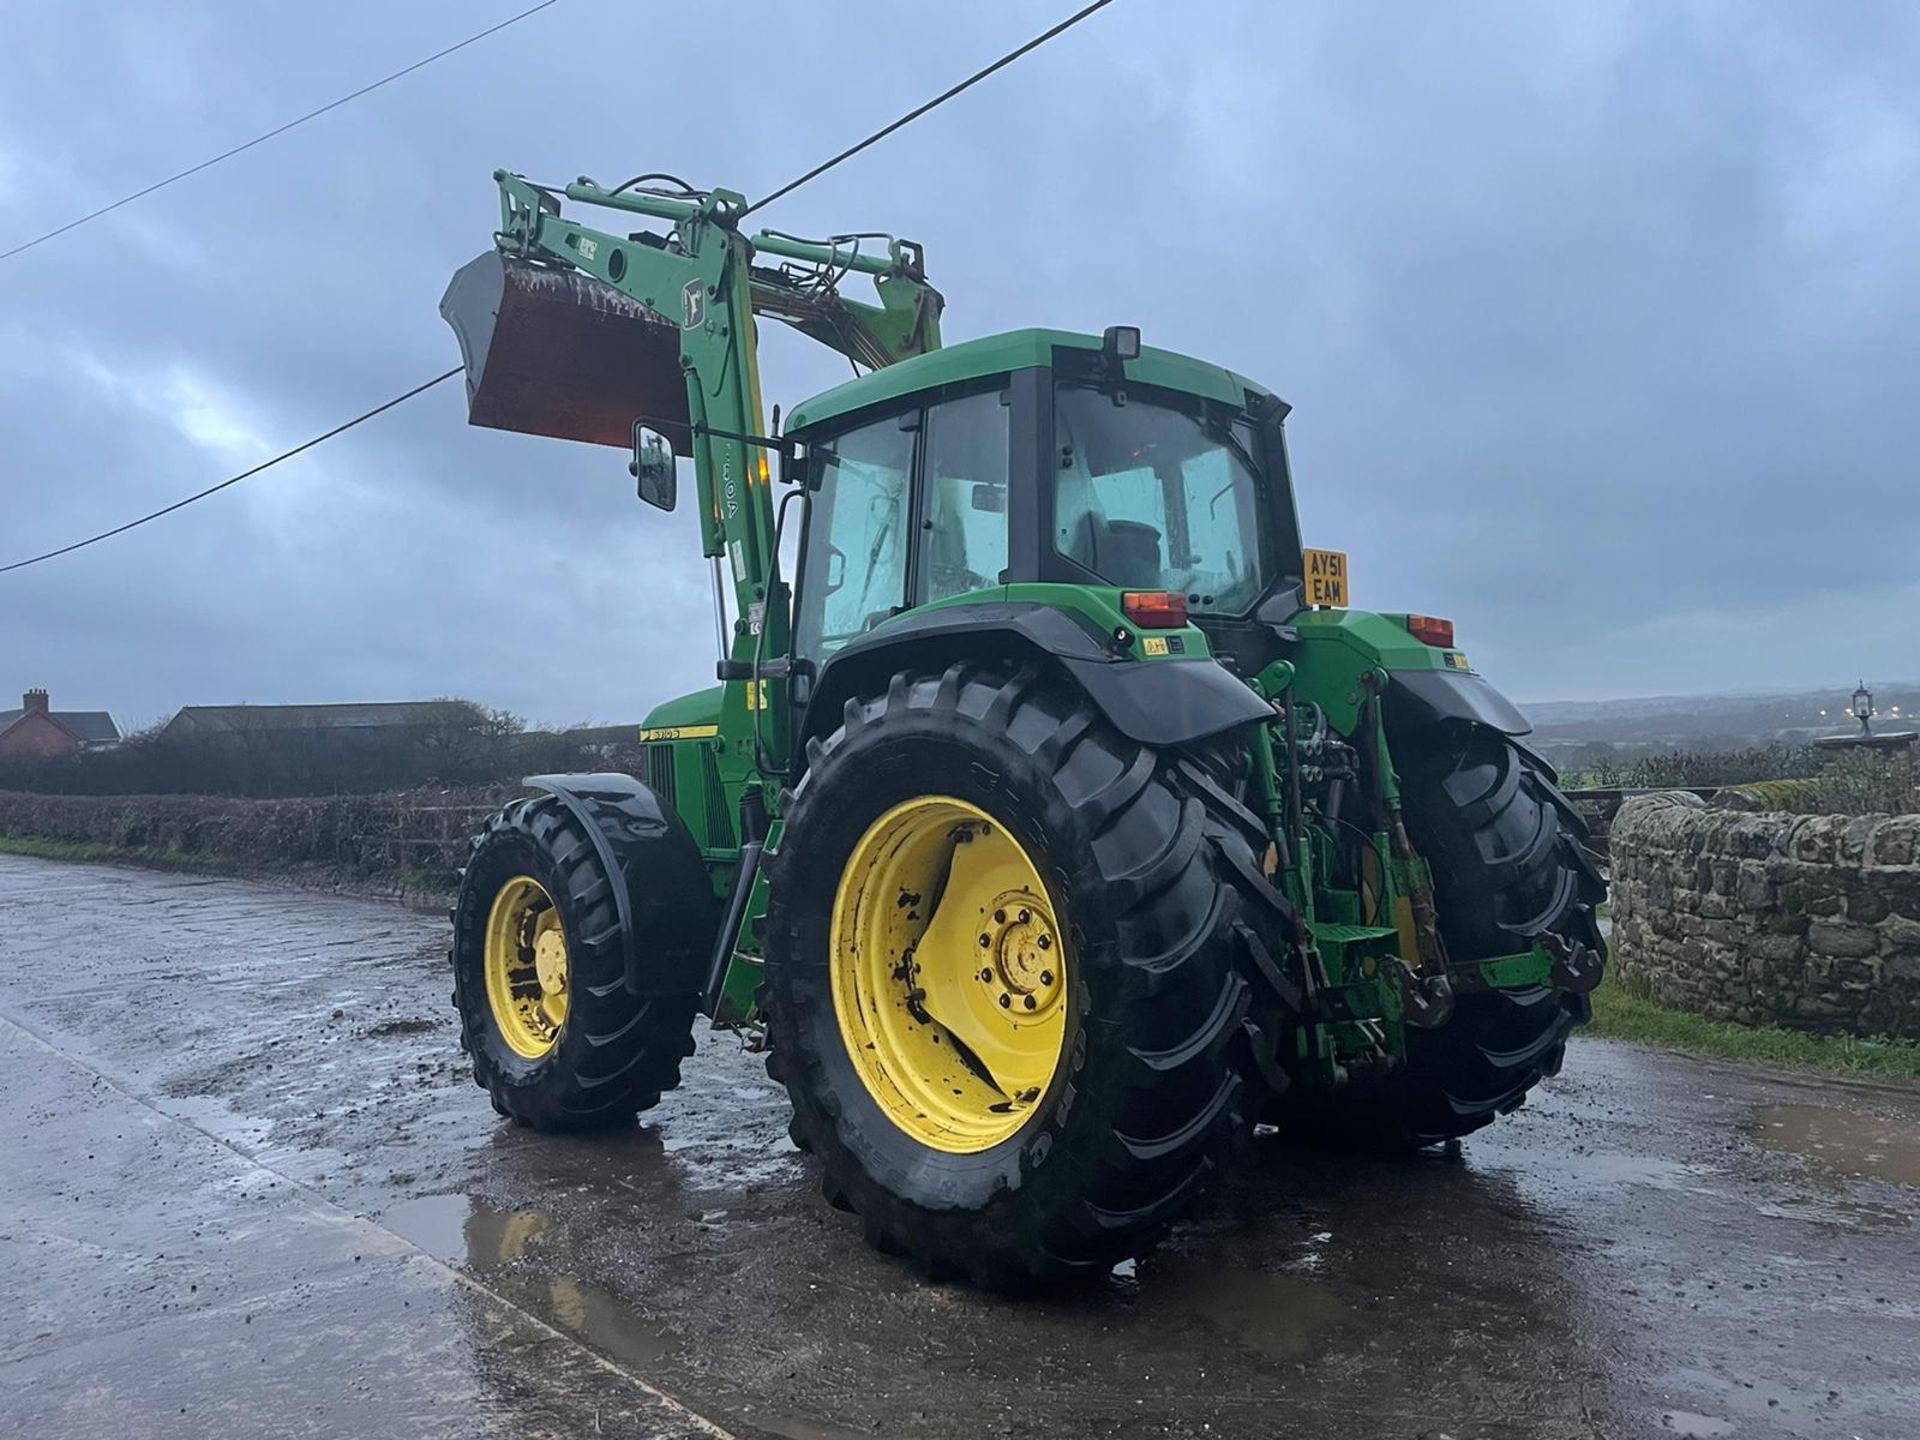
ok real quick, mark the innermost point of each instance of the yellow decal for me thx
(1455, 660)
(1154, 645)
(756, 695)
(679, 732)
(1326, 577)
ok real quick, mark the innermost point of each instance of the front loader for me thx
(1053, 822)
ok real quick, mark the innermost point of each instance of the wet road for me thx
(247, 1188)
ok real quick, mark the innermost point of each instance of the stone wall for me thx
(1806, 921)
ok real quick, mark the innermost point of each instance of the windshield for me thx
(1158, 497)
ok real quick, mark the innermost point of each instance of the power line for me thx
(279, 130)
(938, 100)
(818, 170)
(233, 480)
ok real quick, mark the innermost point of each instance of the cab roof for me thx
(1016, 350)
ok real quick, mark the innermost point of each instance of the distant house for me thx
(238, 722)
(38, 731)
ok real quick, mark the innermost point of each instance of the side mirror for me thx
(653, 467)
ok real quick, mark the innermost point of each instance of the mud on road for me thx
(247, 1187)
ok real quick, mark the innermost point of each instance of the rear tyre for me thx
(557, 1040)
(1509, 864)
(964, 844)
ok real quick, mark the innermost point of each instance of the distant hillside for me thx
(1713, 722)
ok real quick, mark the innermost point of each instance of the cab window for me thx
(965, 545)
(855, 570)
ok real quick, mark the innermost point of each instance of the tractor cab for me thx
(1041, 457)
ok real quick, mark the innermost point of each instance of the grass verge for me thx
(1623, 1010)
(412, 885)
(60, 849)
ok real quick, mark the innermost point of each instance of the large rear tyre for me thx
(1510, 867)
(556, 1038)
(1013, 976)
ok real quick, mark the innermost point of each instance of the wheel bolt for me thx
(1025, 916)
(1032, 1004)
(1006, 1001)
(1046, 942)
(986, 975)
(999, 917)
(1046, 977)
(985, 941)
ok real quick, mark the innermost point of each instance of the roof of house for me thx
(89, 727)
(368, 716)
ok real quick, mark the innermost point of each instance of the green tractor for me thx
(1052, 822)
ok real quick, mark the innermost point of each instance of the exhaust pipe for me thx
(554, 352)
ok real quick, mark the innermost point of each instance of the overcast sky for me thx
(1598, 319)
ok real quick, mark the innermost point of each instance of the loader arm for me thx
(667, 337)
(693, 279)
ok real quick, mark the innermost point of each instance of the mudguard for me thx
(667, 909)
(1152, 702)
(1418, 698)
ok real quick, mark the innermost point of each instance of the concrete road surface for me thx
(248, 1188)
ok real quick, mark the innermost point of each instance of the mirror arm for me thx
(765, 442)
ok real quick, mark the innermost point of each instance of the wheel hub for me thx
(1023, 973)
(550, 961)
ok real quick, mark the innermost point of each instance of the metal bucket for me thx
(554, 352)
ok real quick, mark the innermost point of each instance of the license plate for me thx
(1327, 577)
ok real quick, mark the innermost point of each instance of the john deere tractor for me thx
(1052, 821)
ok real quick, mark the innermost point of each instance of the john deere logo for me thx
(693, 305)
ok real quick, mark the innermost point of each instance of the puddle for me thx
(607, 1323)
(459, 1229)
(1817, 1211)
(1685, 1422)
(1843, 1142)
(1556, 1178)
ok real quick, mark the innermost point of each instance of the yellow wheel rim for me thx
(526, 963)
(950, 977)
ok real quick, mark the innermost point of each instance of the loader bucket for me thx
(554, 352)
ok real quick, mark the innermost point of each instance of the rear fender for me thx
(662, 895)
(1418, 698)
(1153, 702)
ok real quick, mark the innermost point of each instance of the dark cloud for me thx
(1598, 320)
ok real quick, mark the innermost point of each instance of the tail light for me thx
(1155, 609)
(1431, 631)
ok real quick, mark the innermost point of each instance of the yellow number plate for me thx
(1326, 577)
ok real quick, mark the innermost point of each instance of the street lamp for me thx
(1863, 708)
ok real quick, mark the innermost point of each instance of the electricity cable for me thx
(278, 130)
(235, 479)
(938, 100)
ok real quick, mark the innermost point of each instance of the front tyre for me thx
(556, 1038)
(1007, 976)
